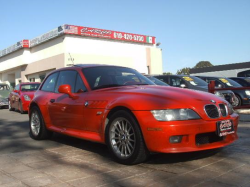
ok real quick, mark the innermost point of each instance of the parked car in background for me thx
(120, 107)
(192, 82)
(156, 81)
(242, 97)
(4, 93)
(243, 81)
(21, 96)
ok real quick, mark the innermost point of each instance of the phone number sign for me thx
(108, 34)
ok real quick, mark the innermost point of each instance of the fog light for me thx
(175, 139)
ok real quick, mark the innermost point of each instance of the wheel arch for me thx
(114, 110)
(32, 105)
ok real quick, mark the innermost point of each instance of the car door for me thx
(66, 112)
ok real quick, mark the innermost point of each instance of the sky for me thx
(189, 30)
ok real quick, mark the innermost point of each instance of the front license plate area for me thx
(224, 127)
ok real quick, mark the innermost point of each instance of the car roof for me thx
(209, 76)
(23, 83)
(175, 75)
(80, 66)
(239, 77)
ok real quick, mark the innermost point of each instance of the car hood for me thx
(4, 93)
(156, 97)
(201, 88)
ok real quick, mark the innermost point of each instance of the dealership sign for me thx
(81, 31)
(108, 34)
(18, 45)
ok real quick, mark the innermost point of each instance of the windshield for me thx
(195, 81)
(4, 87)
(229, 83)
(29, 87)
(157, 81)
(108, 76)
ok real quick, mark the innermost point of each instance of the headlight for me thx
(175, 114)
(247, 92)
(219, 94)
(26, 97)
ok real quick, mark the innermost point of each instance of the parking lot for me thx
(66, 161)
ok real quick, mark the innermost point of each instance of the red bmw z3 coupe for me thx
(121, 108)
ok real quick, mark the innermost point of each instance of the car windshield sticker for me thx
(226, 82)
(187, 79)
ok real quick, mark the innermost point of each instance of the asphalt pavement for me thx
(67, 162)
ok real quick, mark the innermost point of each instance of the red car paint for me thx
(86, 114)
(17, 98)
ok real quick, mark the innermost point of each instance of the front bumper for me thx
(25, 105)
(194, 133)
(4, 102)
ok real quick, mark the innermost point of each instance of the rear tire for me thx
(38, 130)
(124, 139)
(10, 108)
(20, 107)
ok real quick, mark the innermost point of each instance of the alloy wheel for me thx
(122, 138)
(35, 123)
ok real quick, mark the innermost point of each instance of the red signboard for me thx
(26, 43)
(108, 34)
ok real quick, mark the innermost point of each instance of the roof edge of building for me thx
(240, 65)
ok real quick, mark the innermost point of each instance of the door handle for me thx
(52, 100)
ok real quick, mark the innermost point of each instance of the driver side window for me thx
(66, 77)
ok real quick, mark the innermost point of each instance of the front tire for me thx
(237, 101)
(125, 140)
(38, 130)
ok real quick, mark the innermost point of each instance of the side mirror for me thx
(66, 89)
(183, 86)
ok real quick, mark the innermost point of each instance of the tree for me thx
(167, 73)
(203, 64)
(183, 71)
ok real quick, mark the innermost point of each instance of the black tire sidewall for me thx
(21, 107)
(240, 102)
(10, 108)
(138, 136)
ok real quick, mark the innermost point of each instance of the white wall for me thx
(30, 62)
(96, 51)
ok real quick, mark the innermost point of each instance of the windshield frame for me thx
(232, 82)
(29, 90)
(118, 76)
(197, 81)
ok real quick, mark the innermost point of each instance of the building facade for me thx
(32, 60)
